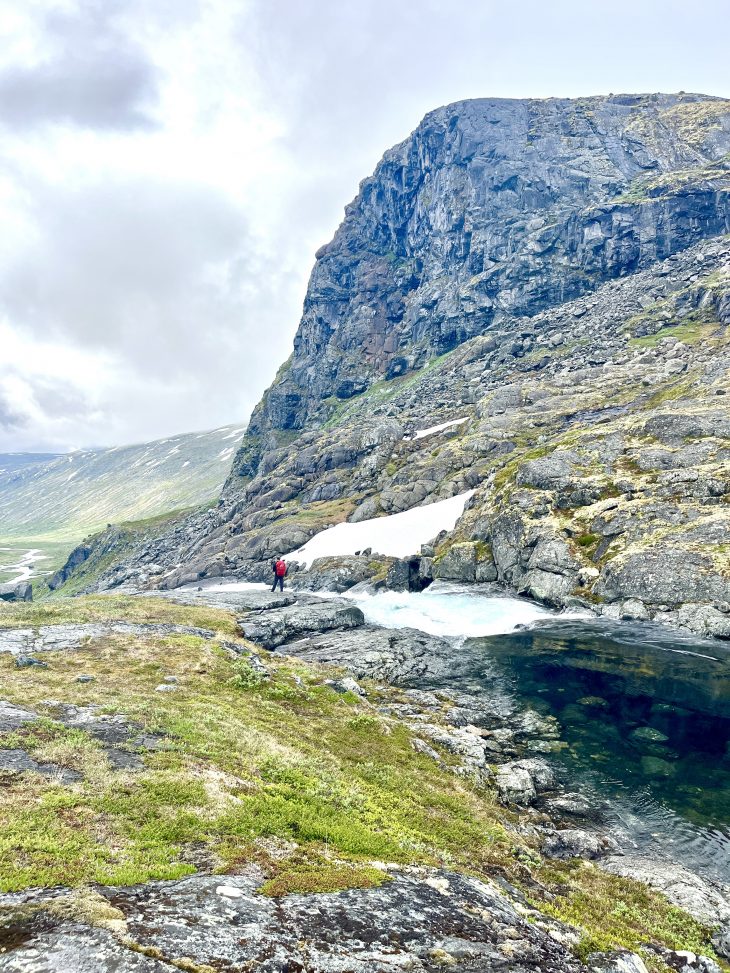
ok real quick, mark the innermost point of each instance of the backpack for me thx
(280, 569)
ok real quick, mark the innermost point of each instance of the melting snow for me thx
(398, 535)
(444, 425)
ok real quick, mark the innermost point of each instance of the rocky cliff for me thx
(556, 274)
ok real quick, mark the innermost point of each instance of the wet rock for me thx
(274, 628)
(575, 805)
(648, 734)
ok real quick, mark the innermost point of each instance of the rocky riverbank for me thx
(199, 772)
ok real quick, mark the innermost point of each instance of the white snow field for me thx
(444, 425)
(395, 536)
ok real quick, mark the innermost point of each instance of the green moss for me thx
(286, 759)
(587, 540)
(690, 333)
(320, 874)
(613, 912)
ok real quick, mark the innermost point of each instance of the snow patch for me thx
(236, 432)
(443, 425)
(396, 536)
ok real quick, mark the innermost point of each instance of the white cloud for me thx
(168, 169)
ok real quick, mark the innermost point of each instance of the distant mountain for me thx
(66, 496)
(10, 462)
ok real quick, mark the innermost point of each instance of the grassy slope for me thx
(53, 505)
(316, 787)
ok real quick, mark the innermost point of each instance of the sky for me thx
(168, 169)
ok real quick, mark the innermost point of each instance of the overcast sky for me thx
(169, 167)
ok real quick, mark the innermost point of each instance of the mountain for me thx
(11, 462)
(66, 496)
(554, 274)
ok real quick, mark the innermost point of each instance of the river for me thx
(644, 712)
(18, 564)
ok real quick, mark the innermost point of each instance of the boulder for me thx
(520, 781)
(20, 591)
(575, 843)
(549, 472)
(459, 563)
(274, 628)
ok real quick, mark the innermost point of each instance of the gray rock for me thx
(274, 628)
(459, 563)
(19, 591)
(28, 662)
(520, 781)
(401, 656)
(435, 917)
(346, 685)
(707, 901)
(575, 843)
(619, 961)
(14, 717)
(16, 761)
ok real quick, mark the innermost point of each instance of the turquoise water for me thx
(645, 715)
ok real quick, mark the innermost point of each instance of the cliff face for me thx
(493, 209)
(556, 276)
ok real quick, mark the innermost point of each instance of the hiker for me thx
(278, 566)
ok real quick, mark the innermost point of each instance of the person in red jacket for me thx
(278, 566)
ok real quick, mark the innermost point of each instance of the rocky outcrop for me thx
(494, 209)
(274, 628)
(401, 656)
(425, 920)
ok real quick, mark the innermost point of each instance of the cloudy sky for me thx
(169, 167)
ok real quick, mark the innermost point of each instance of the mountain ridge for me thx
(539, 267)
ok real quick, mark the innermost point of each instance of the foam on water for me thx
(448, 611)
